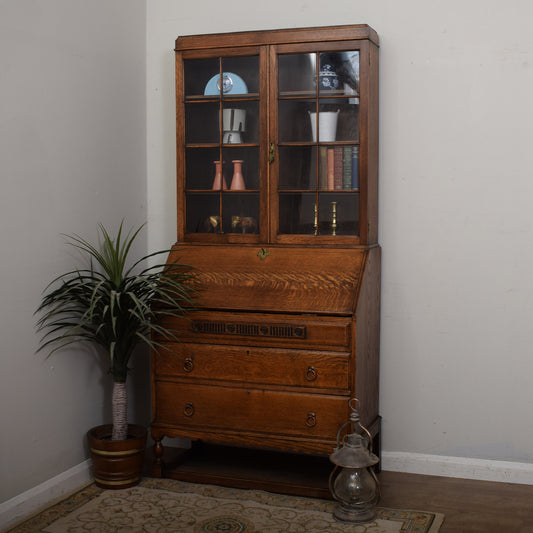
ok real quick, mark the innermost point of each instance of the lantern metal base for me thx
(354, 516)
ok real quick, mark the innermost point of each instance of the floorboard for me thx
(470, 506)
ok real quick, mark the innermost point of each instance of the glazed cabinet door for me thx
(277, 143)
(319, 114)
(221, 118)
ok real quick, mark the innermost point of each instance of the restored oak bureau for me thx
(277, 194)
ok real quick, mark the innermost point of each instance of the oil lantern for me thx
(353, 482)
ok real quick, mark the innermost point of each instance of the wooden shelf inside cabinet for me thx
(224, 191)
(286, 327)
(212, 97)
(322, 94)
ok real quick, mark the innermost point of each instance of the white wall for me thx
(72, 154)
(456, 187)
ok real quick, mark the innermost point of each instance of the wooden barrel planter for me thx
(117, 464)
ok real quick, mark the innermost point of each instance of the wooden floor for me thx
(469, 506)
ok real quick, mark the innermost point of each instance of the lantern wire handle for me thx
(353, 421)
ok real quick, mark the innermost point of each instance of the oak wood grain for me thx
(286, 327)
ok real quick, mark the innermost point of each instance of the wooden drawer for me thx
(266, 366)
(211, 408)
(318, 332)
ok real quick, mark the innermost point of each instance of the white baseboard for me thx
(460, 467)
(27, 503)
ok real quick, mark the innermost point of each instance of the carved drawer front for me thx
(208, 408)
(318, 332)
(269, 366)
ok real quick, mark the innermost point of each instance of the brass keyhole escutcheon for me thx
(271, 153)
(263, 254)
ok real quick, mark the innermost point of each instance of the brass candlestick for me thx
(334, 218)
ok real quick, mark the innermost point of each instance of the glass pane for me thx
(338, 214)
(335, 214)
(339, 73)
(200, 167)
(347, 123)
(240, 122)
(240, 212)
(203, 213)
(337, 121)
(202, 122)
(197, 75)
(297, 73)
(325, 123)
(242, 75)
(297, 213)
(249, 158)
(295, 120)
(338, 167)
(297, 167)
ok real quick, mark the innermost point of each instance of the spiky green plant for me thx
(115, 305)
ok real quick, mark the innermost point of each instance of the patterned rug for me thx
(169, 506)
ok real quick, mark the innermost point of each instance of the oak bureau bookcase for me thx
(277, 194)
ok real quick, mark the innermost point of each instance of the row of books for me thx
(339, 168)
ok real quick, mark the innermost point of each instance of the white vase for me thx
(327, 125)
(233, 124)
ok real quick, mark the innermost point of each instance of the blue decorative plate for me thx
(231, 84)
